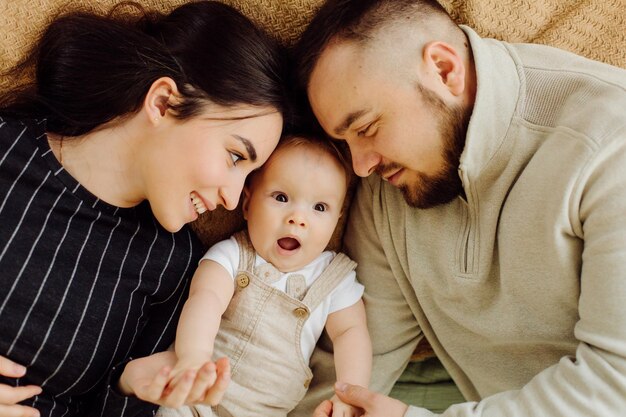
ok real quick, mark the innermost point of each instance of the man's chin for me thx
(425, 199)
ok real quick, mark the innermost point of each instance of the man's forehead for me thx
(338, 86)
(334, 59)
(338, 72)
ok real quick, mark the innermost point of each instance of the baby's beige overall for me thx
(260, 334)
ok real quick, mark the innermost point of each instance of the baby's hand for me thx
(341, 409)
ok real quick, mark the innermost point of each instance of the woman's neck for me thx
(105, 161)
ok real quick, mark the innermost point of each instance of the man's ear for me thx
(162, 92)
(246, 201)
(444, 60)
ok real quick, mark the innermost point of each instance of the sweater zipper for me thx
(464, 241)
(466, 253)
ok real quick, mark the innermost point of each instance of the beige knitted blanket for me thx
(592, 28)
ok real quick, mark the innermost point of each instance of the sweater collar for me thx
(497, 94)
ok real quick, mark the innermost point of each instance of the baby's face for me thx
(293, 206)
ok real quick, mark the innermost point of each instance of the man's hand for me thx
(325, 409)
(147, 378)
(372, 404)
(11, 396)
(341, 409)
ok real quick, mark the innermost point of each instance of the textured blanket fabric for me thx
(592, 28)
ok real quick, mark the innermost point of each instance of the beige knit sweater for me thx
(521, 287)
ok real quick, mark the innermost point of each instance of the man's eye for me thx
(366, 131)
(281, 197)
(320, 207)
(235, 157)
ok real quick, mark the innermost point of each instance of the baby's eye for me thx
(235, 157)
(281, 197)
(320, 207)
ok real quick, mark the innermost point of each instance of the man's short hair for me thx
(356, 21)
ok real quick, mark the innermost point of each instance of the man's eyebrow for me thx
(350, 118)
(249, 147)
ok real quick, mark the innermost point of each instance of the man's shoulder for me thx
(572, 94)
(536, 57)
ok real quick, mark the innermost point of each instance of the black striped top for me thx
(83, 285)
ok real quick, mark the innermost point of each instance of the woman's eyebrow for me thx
(249, 147)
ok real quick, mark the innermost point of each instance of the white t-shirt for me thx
(348, 292)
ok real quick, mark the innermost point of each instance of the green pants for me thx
(427, 384)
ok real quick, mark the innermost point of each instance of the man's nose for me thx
(364, 161)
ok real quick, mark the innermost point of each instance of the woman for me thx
(132, 129)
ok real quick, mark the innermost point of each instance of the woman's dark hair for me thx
(90, 69)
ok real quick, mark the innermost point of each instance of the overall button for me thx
(301, 312)
(242, 280)
(307, 383)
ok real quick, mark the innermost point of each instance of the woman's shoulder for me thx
(15, 131)
(10, 126)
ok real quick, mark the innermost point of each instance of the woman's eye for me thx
(320, 207)
(235, 158)
(280, 197)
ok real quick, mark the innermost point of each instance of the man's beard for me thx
(429, 190)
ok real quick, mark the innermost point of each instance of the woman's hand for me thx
(147, 378)
(11, 396)
(188, 363)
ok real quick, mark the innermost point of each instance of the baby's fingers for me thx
(177, 396)
(205, 380)
(216, 392)
(155, 390)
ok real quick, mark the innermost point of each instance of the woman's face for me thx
(199, 163)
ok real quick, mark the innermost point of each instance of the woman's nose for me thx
(231, 193)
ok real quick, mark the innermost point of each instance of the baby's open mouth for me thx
(288, 243)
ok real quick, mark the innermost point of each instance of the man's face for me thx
(394, 126)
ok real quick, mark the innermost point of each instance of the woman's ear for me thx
(161, 93)
(446, 63)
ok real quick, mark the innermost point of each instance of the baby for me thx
(272, 290)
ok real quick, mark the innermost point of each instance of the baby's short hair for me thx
(327, 146)
(333, 149)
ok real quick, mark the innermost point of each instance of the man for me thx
(490, 218)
